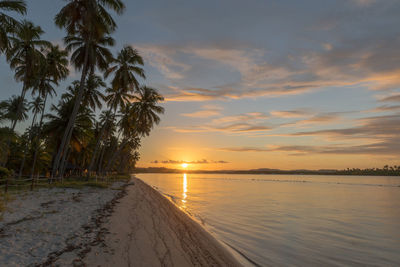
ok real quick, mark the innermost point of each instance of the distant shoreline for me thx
(350, 172)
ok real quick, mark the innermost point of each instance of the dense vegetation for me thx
(97, 124)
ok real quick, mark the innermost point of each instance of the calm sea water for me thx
(295, 220)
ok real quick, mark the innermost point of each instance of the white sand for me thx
(48, 220)
(136, 226)
(146, 229)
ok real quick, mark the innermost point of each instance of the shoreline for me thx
(239, 256)
(131, 224)
(147, 229)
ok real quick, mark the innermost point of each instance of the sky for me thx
(261, 83)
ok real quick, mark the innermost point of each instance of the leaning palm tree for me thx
(7, 23)
(139, 117)
(24, 55)
(99, 57)
(126, 68)
(59, 118)
(53, 69)
(87, 24)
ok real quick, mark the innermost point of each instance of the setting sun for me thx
(184, 165)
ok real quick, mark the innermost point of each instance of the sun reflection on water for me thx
(184, 195)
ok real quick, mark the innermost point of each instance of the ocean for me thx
(294, 220)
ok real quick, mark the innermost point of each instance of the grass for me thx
(80, 184)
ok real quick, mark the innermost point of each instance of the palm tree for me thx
(139, 117)
(53, 69)
(125, 67)
(58, 120)
(11, 111)
(108, 127)
(14, 110)
(92, 95)
(127, 64)
(87, 24)
(146, 109)
(24, 55)
(36, 106)
(7, 23)
(99, 57)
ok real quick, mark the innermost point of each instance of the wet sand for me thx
(146, 229)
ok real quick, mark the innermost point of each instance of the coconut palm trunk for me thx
(93, 159)
(26, 147)
(68, 131)
(14, 122)
(110, 163)
(100, 161)
(38, 136)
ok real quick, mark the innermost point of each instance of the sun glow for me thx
(184, 165)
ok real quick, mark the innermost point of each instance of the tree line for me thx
(97, 125)
(385, 171)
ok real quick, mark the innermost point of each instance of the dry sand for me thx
(146, 229)
(52, 226)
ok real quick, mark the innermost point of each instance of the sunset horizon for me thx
(302, 93)
(229, 133)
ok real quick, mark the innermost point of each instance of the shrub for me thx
(4, 173)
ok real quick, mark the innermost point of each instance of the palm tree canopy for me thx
(36, 105)
(142, 114)
(116, 97)
(57, 63)
(52, 68)
(127, 64)
(58, 120)
(92, 95)
(9, 109)
(98, 54)
(88, 16)
(8, 23)
(24, 54)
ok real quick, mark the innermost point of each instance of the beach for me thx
(128, 224)
(146, 229)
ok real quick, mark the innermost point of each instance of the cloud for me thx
(371, 127)
(379, 134)
(162, 58)
(391, 98)
(311, 118)
(195, 162)
(235, 124)
(319, 119)
(364, 3)
(244, 149)
(246, 117)
(235, 128)
(385, 108)
(290, 113)
(206, 112)
(366, 61)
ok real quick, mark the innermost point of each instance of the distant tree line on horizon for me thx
(98, 122)
(385, 171)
